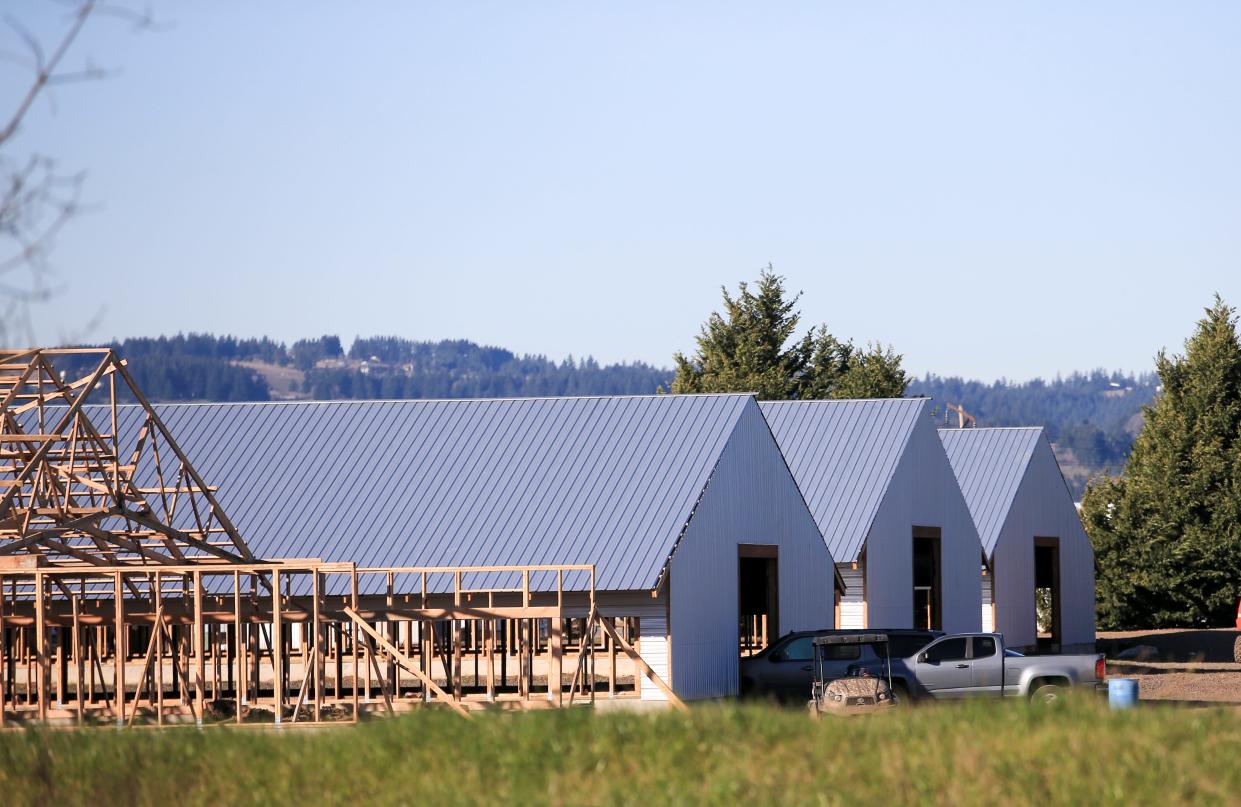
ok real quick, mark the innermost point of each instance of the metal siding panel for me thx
(923, 492)
(843, 455)
(989, 465)
(751, 498)
(1043, 507)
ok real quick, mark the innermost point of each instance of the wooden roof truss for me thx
(74, 490)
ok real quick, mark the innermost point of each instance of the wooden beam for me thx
(646, 668)
(404, 660)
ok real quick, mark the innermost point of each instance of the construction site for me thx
(128, 596)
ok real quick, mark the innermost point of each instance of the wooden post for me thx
(532, 642)
(394, 677)
(239, 639)
(76, 649)
(489, 640)
(339, 659)
(426, 654)
(41, 674)
(216, 632)
(119, 650)
(61, 667)
(555, 646)
(506, 642)
(353, 633)
(200, 659)
(521, 659)
(316, 652)
(158, 701)
(277, 646)
(458, 636)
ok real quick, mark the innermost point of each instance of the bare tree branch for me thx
(36, 200)
(45, 68)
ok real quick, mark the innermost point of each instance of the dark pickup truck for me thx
(784, 670)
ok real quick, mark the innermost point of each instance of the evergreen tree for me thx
(751, 347)
(744, 350)
(1167, 534)
(872, 373)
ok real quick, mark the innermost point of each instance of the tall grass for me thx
(992, 754)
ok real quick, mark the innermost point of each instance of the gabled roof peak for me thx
(843, 455)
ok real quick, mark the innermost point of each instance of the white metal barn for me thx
(884, 496)
(1032, 537)
(683, 503)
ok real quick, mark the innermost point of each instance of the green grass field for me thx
(992, 754)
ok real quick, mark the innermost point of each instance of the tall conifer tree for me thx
(751, 347)
(1167, 534)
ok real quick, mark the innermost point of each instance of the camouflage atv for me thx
(860, 691)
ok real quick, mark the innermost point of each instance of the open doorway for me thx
(1047, 593)
(928, 579)
(758, 595)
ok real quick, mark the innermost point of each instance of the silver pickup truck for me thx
(962, 665)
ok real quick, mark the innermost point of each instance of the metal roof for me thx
(843, 455)
(989, 465)
(611, 481)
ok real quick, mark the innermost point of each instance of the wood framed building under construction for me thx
(378, 555)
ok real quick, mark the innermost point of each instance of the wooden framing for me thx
(291, 622)
(74, 490)
(123, 582)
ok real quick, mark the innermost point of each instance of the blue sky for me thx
(996, 189)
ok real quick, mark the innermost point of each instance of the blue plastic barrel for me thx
(1122, 693)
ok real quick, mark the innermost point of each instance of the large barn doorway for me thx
(758, 595)
(928, 579)
(1047, 592)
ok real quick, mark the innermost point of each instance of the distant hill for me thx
(1091, 417)
(201, 367)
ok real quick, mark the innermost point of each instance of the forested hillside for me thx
(1091, 417)
(223, 368)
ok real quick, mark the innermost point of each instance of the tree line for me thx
(1093, 415)
(204, 367)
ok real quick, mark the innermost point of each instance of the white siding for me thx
(751, 499)
(923, 493)
(988, 612)
(653, 641)
(1043, 508)
(853, 602)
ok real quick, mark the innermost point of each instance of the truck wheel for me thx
(1236, 650)
(1050, 694)
(900, 692)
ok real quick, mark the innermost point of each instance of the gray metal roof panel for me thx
(604, 480)
(843, 455)
(989, 465)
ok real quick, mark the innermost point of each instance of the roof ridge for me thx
(844, 400)
(344, 401)
(993, 429)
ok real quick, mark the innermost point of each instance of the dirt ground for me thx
(1222, 687)
(1184, 665)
